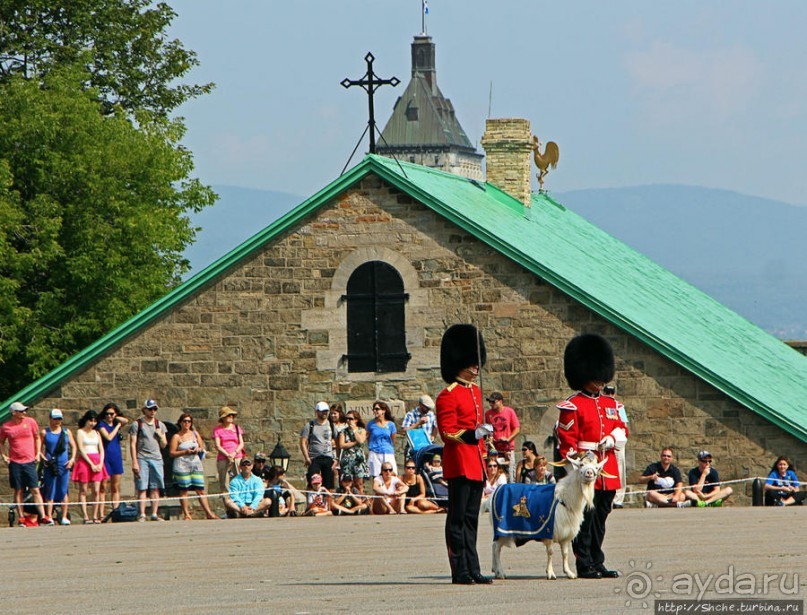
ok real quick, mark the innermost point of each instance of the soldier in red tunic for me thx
(589, 423)
(460, 421)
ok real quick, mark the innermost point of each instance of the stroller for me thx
(435, 491)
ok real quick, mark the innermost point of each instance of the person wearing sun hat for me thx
(229, 440)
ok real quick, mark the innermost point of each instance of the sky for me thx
(634, 92)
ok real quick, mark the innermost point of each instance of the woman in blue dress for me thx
(109, 426)
(59, 450)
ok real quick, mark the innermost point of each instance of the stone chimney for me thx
(508, 147)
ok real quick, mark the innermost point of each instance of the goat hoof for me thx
(571, 575)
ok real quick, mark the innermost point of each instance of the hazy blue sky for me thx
(691, 92)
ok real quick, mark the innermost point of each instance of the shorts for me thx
(23, 475)
(376, 460)
(151, 475)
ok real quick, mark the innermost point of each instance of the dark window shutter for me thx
(376, 332)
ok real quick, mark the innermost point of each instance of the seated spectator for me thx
(494, 476)
(704, 483)
(259, 465)
(347, 499)
(543, 476)
(664, 485)
(416, 502)
(246, 490)
(283, 502)
(782, 486)
(525, 470)
(392, 491)
(318, 498)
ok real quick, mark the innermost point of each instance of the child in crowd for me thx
(318, 499)
(348, 500)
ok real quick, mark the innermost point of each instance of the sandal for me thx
(96, 521)
(187, 518)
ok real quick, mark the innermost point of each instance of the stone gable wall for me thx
(268, 339)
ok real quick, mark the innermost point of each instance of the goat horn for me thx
(606, 475)
(558, 464)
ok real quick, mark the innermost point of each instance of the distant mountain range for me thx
(747, 252)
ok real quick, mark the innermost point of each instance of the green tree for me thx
(92, 218)
(123, 43)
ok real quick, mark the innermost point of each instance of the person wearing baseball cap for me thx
(317, 445)
(246, 493)
(704, 483)
(24, 448)
(59, 448)
(420, 417)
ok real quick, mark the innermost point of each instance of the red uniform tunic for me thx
(459, 409)
(584, 421)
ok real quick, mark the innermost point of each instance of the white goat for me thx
(574, 493)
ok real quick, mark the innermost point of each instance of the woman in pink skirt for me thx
(89, 470)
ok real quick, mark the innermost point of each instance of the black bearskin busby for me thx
(458, 350)
(588, 357)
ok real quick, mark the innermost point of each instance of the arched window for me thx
(376, 333)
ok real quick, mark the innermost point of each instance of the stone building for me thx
(346, 297)
(423, 127)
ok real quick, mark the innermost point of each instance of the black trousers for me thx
(587, 545)
(464, 501)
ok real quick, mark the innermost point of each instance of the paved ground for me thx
(384, 564)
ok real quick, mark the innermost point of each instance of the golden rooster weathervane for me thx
(549, 159)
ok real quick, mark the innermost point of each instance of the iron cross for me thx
(370, 82)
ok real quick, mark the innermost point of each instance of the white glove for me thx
(483, 431)
(606, 444)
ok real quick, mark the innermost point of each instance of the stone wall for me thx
(268, 339)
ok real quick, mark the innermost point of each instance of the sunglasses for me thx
(493, 465)
(410, 467)
(386, 469)
(186, 421)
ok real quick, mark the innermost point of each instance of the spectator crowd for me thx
(351, 467)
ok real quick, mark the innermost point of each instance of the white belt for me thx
(588, 446)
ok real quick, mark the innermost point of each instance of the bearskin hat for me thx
(458, 350)
(588, 357)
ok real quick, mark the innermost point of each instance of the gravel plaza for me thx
(393, 564)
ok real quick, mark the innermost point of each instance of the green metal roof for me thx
(613, 280)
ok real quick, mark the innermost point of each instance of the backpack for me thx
(124, 512)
